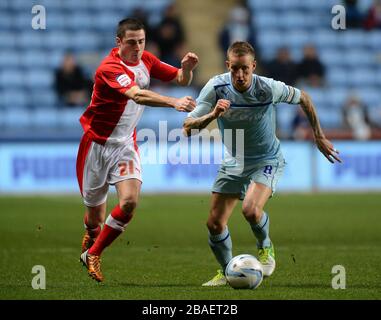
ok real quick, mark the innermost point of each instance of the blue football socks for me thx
(221, 245)
(261, 231)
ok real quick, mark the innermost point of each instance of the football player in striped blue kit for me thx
(243, 102)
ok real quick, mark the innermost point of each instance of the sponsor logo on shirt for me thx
(225, 94)
(261, 95)
(123, 79)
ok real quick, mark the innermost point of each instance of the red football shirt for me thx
(111, 116)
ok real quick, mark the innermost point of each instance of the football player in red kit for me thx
(108, 153)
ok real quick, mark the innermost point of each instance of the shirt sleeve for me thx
(117, 79)
(161, 70)
(284, 93)
(205, 101)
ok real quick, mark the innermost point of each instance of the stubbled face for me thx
(132, 45)
(241, 69)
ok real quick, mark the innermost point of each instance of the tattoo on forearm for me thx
(198, 123)
(311, 114)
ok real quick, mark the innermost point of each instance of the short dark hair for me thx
(241, 48)
(129, 24)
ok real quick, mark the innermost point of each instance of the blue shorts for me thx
(265, 172)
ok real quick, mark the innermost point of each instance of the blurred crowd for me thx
(167, 40)
(309, 71)
(356, 122)
(368, 18)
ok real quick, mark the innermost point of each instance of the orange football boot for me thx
(87, 242)
(93, 265)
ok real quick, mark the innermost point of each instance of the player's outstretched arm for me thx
(188, 64)
(324, 145)
(153, 99)
(197, 124)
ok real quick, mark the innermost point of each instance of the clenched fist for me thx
(221, 107)
(185, 104)
(189, 62)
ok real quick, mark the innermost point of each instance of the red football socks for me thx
(114, 226)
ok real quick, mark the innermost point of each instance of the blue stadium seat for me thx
(256, 4)
(38, 78)
(266, 20)
(297, 39)
(293, 20)
(5, 21)
(85, 41)
(289, 5)
(57, 20)
(10, 58)
(151, 119)
(378, 77)
(332, 57)
(351, 39)
(318, 96)
(337, 96)
(4, 5)
(315, 6)
(13, 98)
(270, 39)
(358, 57)
(177, 92)
(371, 96)
(55, 58)
(318, 19)
(21, 5)
(79, 6)
(337, 77)
(99, 5)
(296, 53)
(12, 78)
(23, 20)
(107, 20)
(20, 119)
(362, 77)
(330, 117)
(82, 21)
(43, 98)
(27, 40)
(157, 6)
(128, 6)
(263, 5)
(50, 5)
(2, 117)
(69, 117)
(324, 38)
(45, 117)
(285, 114)
(2, 103)
(58, 39)
(374, 40)
(35, 58)
(8, 39)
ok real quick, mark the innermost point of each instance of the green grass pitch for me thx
(164, 252)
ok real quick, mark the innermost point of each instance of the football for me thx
(244, 272)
